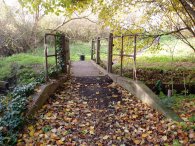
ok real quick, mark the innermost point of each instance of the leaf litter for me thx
(77, 115)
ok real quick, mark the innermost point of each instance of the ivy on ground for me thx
(12, 114)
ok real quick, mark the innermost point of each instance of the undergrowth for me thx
(9, 66)
(177, 102)
(14, 105)
(29, 72)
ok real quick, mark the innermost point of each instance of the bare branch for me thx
(188, 8)
(65, 22)
(184, 39)
(173, 32)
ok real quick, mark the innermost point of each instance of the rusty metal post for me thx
(46, 59)
(98, 51)
(121, 69)
(64, 48)
(67, 55)
(134, 58)
(56, 59)
(67, 50)
(46, 64)
(92, 48)
(110, 49)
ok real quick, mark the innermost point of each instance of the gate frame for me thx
(66, 53)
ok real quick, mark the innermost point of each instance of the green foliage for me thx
(172, 101)
(84, 48)
(176, 143)
(161, 62)
(46, 128)
(158, 86)
(192, 118)
(26, 75)
(13, 112)
(185, 126)
(80, 48)
(24, 61)
(57, 7)
(13, 117)
(168, 101)
(54, 71)
(84, 132)
(60, 50)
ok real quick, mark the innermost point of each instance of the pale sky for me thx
(11, 2)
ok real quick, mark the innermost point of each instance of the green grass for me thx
(16, 61)
(80, 48)
(169, 46)
(183, 56)
(84, 48)
(158, 62)
(40, 51)
(34, 60)
(160, 59)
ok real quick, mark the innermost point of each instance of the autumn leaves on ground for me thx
(108, 115)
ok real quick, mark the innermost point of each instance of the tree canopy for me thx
(129, 16)
(56, 6)
(177, 11)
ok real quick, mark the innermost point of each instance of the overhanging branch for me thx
(172, 32)
(65, 22)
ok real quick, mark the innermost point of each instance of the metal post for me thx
(92, 48)
(98, 51)
(121, 69)
(110, 49)
(64, 48)
(134, 58)
(46, 59)
(55, 52)
(67, 50)
(46, 64)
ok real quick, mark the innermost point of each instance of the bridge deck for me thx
(84, 68)
(92, 110)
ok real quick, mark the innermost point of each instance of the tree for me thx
(13, 34)
(57, 7)
(174, 16)
(149, 17)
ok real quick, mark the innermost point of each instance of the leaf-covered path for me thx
(95, 111)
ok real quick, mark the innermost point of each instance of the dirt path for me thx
(91, 111)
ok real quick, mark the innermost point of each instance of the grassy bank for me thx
(171, 54)
(10, 66)
(183, 57)
(159, 62)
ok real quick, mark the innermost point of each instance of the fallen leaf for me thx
(114, 96)
(136, 141)
(91, 130)
(164, 138)
(134, 116)
(144, 135)
(31, 130)
(88, 115)
(105, 137)
(59, 142)
(54, 130)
